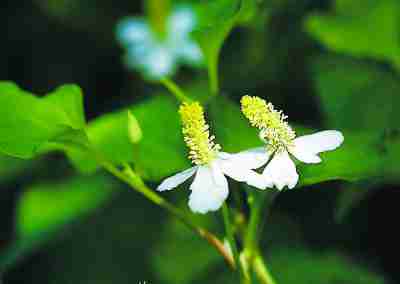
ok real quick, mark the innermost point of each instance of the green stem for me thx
(260, 204)
(213, 76)
(135, 182)
(232, 243)
(256, 204)
(175, 90)
(158, 11)
(262, 271)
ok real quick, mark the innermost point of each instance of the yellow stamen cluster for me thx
(196, 134)
(272, 123)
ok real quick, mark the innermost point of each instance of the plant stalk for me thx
(135, 182)
(175, 90)
(260, 204)
(244, 277)
(158, 12)
(261, 271)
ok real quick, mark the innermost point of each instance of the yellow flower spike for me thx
(272, 123)
(202, 149)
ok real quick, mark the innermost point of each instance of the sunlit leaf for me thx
(30, 124)
(160, 152)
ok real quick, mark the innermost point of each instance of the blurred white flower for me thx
(157, 57)
(281, 140)
(209, 189)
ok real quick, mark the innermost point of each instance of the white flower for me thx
(158, 57)
(281, 141)
(209, 189)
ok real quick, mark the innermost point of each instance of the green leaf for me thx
(30, 124)
(364, 102)
(299, 265)
(359, 157)
(46, 208)
(217, 19)
(162, 150)
(360, 28)
(356, 95)
(248, 10)
(231, 128)
(352, 194)
(159, 153)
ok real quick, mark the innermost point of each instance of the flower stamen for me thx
(275, 130)
(202, 148)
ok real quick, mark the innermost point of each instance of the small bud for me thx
(134, 131)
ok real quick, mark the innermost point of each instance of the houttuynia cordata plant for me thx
(210, 128)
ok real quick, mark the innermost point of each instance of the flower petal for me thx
(209, 190)
(307, 147)
(190, 52)
(259, 181)
(175, 180)
(249, 159)
(132, 31)
(281, 171)
(159, 62)
(182, 22)
(239, 166)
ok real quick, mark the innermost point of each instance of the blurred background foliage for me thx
(327, 64)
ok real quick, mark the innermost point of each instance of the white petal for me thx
(161, 62)
(236, 172)
(307, 147)
(209, 190)
(191, 53)
(132, 31)
(175, 180)
(218, 175)
(281, 171)
(249, 159)
(239, 166)
(259, 181)
(182, 21)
